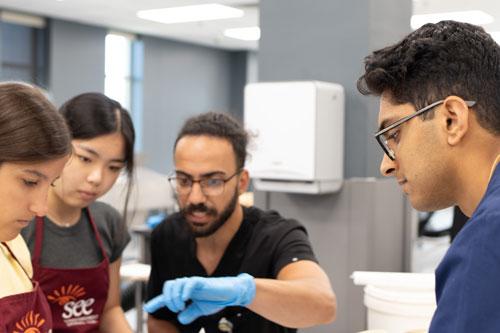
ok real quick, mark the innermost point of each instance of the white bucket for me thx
(399, 310)
(397, 302)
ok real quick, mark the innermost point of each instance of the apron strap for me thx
(96, 232)
(15, 258)
(37, 254)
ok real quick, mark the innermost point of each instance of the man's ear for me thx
(456, 116)
(243, 182)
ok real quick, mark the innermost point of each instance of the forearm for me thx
(113, 320)
(300, 296)
(160, 326)
(296, 303)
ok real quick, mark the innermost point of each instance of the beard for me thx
(220, 219)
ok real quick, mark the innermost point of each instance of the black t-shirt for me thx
(262, 246)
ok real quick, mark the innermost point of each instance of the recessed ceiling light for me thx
(196, 13)
(22, 19)
(248, 33)
(471, 16)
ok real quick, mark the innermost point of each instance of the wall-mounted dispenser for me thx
(299, 136)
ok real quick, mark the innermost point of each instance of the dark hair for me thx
(220, 125)
(435, 61)
(91, 115)
(31, 130)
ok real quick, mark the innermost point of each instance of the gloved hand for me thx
(197, 309)
(208, 295)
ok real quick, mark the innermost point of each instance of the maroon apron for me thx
(26, 312)
(76, 295)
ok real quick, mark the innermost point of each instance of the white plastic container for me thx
(397, 302)
(397, 311)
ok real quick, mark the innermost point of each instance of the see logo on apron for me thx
(27, 312)
(77, 295)
(76, 310)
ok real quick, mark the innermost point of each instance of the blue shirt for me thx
(468, 278)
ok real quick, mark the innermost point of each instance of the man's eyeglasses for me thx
(387, 137)
(212, 186)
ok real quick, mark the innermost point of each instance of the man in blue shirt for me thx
(439, 127)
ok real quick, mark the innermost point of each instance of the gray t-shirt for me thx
(77, 246)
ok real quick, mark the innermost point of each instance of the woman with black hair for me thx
(77, 247)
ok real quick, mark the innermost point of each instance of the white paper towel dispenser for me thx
(299, 136)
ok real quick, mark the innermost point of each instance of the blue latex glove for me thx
(208, 295)
(197, 309)
(153, 220)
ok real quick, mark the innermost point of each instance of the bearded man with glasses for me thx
(439, 128)
(222, 267)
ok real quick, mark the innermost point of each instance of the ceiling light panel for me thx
(196, 13)
(247, 34)
(477, 17)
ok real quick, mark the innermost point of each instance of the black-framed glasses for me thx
(387, 137)
(210, 186)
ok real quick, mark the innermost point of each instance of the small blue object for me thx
(153, 220)
(207, 295)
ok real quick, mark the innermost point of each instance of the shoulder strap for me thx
(37, 254)
(15, 258)
(96, 232)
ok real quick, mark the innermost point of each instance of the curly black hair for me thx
(435, 61)
(219, 125)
